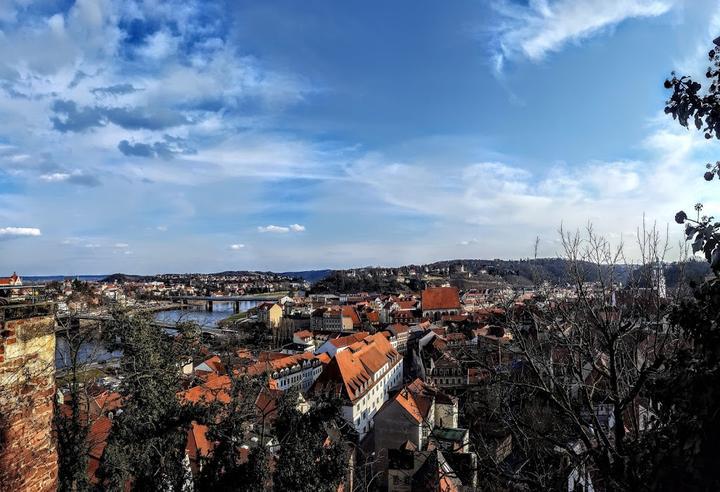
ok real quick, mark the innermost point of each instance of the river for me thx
(93, 351)
(221, 310)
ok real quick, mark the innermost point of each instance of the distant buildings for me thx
(270, 313)
(440, 301)
(10, 281)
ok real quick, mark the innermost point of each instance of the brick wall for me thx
(28, 458)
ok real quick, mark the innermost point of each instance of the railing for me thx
(24, 301)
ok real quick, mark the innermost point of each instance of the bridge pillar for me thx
(236, 307)
(210, 306)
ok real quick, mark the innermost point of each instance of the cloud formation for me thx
(19, 232)
(281, 229)
(545, 26)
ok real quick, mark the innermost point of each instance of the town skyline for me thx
(204, 137)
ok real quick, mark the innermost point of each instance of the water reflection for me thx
(221, 311)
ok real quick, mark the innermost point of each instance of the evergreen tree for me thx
(313, 456)
(146, 445)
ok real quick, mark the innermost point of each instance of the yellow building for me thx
(270, 314)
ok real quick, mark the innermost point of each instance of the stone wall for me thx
(28, 458)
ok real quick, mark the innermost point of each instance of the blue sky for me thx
(185, 136)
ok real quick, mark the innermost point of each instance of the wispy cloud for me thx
(275, 229)
(237, 247)
(76, 177)
(19, 231)
(545, 26)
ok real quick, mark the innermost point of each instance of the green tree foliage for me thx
(689, 104)
(146, 445)
(71, 421)
(308, 460)
(228, 424)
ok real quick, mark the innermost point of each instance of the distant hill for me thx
(123, 277)
(484, 273)
(493, 273)
(311, 276)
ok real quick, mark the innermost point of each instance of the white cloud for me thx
(512, 204)
(237, 247)
(19, 231)
(121, 245)
(281, 229)
(546, 26)
(54, 177)
(162, 228)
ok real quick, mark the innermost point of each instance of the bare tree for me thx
(574, 397)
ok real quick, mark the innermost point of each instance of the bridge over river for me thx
(235, 300)
(78, 319)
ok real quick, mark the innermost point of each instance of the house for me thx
(299, 370)
(411, 470)
(10, 281)
(213, 365)
(334, 318)
(270, 313)
(295, 322)
(333, 345)
(303, 337)
(351, 318)
(446, 372)
(412, 414)
(362, 375)
(440, 301)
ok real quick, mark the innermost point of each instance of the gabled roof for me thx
(198, 444)
(350, 372)
(440, 298)
(216, 388)
(350, 312)
(214, 364)
(416, 406)
(279, 364)
(303, 334)
(97, 441)
(345, 341)
(420, 387)
(407, 305)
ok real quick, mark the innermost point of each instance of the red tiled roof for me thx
(198, 444)
(405, 305)
(350, 312)
(440, 298)
(303, 334)
(350, 370)
(215, 365)
(97, 440)
(341, 342)
(216, 388)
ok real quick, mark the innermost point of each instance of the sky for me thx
(200, 136)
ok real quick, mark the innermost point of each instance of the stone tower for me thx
(28, 457)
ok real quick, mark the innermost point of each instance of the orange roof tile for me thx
(440, 298)
(347, 340)
(350, 312)
(216, 388)
(350, 370)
